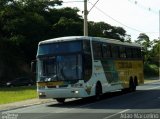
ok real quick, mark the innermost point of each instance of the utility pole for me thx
(85, 19)
(159, 24)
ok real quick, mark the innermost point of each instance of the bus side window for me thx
(115, 51)
(129, 52)
(139, 53)
(135, 53)
(97, 50)
(122, 52)
(86, 46)
(87, 60)
(106, 49)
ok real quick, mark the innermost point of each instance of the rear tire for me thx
(135, 81)
(132, 85)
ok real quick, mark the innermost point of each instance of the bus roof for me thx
(98, 39)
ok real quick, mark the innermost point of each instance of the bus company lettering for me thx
(124, 65)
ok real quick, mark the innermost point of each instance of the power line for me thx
(93, 5)
(121, 22)
(143, 7)
(115, 19)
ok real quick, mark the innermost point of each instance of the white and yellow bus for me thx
(80, 66)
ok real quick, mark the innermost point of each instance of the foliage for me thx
(23, 23)
(145, 42)
(151, 54)
(151, 70)
(155, 52)
(101, 29)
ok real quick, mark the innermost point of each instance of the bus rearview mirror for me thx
(33, 66)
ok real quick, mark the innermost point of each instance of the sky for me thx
(135, 16)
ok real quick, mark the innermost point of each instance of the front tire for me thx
(60, 100)
(98, 91)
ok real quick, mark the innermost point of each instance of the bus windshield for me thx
(60, 67)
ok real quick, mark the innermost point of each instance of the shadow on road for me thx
(141, 99)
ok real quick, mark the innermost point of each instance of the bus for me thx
(83, 66)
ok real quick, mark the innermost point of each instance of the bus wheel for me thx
(98, 91)
(135, 81)
(132, 85)
(60, 100)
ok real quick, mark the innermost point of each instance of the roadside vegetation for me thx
(15, 94)
(151, 55)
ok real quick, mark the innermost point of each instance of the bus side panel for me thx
(110, 81)
(130, 69)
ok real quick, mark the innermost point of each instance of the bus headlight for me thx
(42, 95)
(75, 91)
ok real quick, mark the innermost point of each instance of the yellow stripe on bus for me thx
(50, 83)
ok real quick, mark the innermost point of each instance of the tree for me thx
(24, 23)
(102, 29)
(145, 42)
(155, 52)
(69, 23)
(128, 38)
(151, 54)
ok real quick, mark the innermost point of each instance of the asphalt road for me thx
(142, 104)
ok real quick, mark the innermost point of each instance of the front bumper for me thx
(62, 93)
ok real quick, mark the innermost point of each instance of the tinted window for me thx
(87, 60)
(122, 51)
(86, 47)
(63, 47)
(106, 48)
(97, 51)
(115, 51)
(137, 53)
(67, 67)
(129, 52)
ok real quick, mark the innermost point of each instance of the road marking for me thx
(116, 114)
(154, 87)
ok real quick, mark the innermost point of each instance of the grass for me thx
(15, 94)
